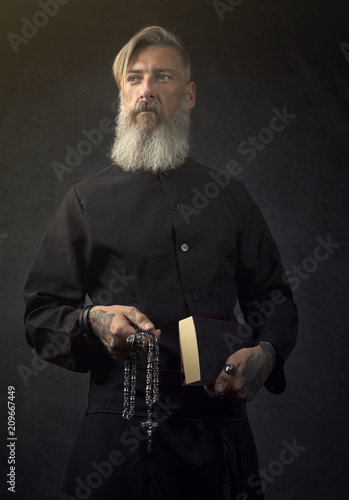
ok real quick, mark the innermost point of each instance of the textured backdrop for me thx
(253, 60)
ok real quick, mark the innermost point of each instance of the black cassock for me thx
(187, 242)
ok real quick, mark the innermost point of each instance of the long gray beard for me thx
(152, 142)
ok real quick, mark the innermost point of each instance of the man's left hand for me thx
(252, 367)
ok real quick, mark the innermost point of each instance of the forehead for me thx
(155, 56)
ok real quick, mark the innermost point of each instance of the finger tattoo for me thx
(133, 314)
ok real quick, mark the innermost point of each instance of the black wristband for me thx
(85, 326)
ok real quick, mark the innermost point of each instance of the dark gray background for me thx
(261, 55)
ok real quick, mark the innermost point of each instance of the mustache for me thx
(146, 106)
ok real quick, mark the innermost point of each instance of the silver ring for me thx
(229, 369)
(136, 342)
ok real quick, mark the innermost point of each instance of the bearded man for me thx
(131, 252)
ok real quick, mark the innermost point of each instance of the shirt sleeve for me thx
(264, 294)
(56, 289)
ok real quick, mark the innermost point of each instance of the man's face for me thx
(152, 129)
(155, 75)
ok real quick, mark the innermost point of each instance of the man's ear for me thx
(191, 95)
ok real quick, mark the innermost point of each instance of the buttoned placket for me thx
(184, 249)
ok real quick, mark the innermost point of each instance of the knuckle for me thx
(141, 318)
(114, 329)
(225, 378)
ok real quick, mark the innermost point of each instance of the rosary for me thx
(152, 378)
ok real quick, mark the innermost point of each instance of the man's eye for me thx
(132, 79)
(163, 77)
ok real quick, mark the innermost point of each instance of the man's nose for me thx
(148, 88)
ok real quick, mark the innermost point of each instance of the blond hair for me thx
(151, 35)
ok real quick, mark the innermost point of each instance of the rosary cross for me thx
(149, 425)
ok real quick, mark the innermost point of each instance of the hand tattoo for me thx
(100, 323)
(133, 314)
(256, 370)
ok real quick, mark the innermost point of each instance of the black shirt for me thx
(188, 242)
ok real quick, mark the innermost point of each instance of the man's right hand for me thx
(113, 324)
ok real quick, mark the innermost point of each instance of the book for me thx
(206, 344)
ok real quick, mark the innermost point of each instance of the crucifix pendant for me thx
(149, 425)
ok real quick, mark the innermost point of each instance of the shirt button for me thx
(184, 247)
(193, 296)
(174, 206)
